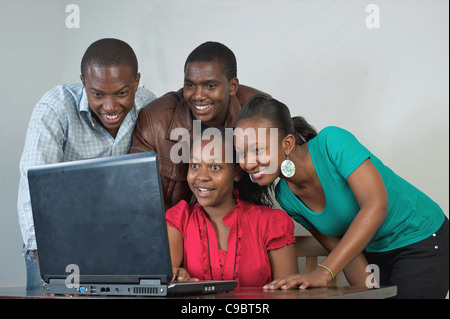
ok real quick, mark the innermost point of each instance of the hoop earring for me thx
(288, 167)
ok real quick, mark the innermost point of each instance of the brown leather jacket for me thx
(153, 129)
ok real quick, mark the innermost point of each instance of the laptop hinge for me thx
(150, 282)
(143, 282)
(58, 281)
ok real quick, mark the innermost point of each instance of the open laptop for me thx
(101, 229)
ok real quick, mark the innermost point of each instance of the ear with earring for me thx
(287, 167)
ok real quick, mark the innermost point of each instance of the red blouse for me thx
(254, 230)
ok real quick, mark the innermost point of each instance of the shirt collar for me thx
(84, 104)
(84, 110)
(231, 217)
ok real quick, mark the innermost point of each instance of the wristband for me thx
(325, 267)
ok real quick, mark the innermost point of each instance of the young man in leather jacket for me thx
(211, 94)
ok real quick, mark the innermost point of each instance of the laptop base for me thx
(147, 287)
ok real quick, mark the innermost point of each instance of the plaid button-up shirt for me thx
(61, 129)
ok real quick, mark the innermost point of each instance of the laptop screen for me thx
(104, 215)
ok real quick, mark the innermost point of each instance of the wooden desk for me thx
(240, 293)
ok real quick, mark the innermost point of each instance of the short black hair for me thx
(214, 51)
(109, 52)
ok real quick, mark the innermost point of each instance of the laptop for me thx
(101, 229)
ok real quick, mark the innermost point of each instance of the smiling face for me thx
(110, 93)
(259, 153)
(211, 179)
(207, 91)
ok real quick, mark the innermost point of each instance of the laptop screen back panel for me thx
(104, 215)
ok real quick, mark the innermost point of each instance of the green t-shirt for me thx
(336, 153)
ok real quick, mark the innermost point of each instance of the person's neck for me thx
(305, 184)
(205, 126)
(217, 214)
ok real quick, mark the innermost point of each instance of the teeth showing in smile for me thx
(203, 189)
(259, 174)
(112, 117)
(202, 107)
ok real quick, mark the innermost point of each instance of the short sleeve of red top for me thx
(254, 230)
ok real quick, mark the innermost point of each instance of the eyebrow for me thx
(210, 160)
(203, 82)
(249, 146)
(100, 91)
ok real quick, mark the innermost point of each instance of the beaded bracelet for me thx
(325, 267)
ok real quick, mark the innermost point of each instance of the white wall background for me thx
(387, 85)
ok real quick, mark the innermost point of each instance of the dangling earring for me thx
(288, 167)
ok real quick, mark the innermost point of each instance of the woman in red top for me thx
(222, 237)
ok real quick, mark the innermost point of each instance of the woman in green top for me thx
(355, 206)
